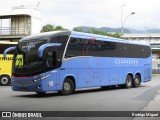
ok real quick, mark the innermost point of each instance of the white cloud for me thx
(97, 13)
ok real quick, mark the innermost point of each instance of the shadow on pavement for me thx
(81, 91)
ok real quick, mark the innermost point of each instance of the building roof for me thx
(11, 15)
(4, 37)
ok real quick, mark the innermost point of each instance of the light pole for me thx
(132, 13)
(122, 16)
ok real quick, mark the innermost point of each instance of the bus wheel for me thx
(40, 93)
(128, 81)
(5, 80)
(136, 81)
(68, 87)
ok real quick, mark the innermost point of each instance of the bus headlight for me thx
(42, 78)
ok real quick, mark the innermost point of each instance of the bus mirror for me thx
(43, 47)
(8, 50)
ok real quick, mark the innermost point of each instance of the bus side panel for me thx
(66, 72)
(52, 81)
(147, 74)
(90, 72)
(115, 76)
(147, 69)
(121, 75)
(104, 76)
(85, 79)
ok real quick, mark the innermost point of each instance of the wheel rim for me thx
(129, 82)
(67, 86)
(4, 80)
(137, 81)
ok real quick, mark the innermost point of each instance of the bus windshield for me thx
(26, 61)
(26, 58)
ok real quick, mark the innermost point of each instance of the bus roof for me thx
(104, 38)
(4, 42)
(46, 35)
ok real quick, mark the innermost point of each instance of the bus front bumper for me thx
(27, 85)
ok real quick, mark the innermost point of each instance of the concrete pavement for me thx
(154, 105)
(144, 98)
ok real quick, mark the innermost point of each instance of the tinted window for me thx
(60, 39)
(132, 51)
(31, 49)
(51, 59)
(75, 47)
(87, 47)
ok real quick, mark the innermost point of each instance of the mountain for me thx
(144, 31)
(107, 29)
(118, 30)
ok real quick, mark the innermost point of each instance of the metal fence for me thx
(14, 31)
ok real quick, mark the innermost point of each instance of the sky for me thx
(94, 13)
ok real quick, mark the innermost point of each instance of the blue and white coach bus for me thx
(66, 60)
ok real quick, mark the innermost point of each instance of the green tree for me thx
(78, 29)
(117, 35)
(99, 32)
(49, 27)
(59, 28)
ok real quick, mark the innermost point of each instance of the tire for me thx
(40, 93)
(5, 80)
(136, 81)
(68, 87)
(128, 81)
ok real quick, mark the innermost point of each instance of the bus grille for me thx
(23, 82)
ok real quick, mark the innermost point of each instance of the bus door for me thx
(47, 52)
(51, 65)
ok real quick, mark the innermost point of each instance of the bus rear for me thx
(6, 64)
